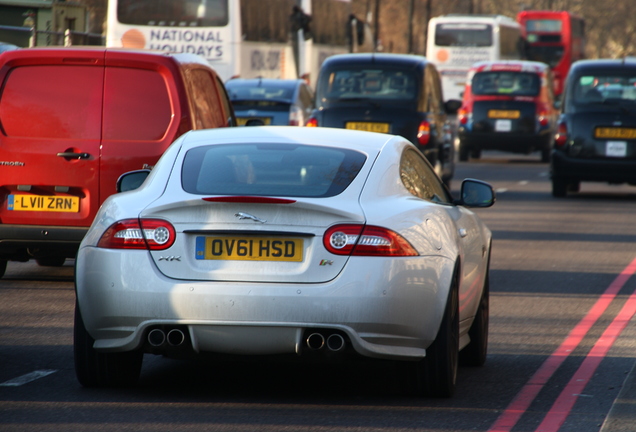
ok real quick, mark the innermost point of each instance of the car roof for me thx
(407, 60)
(510, 65)
(595, 64)
(369, 142)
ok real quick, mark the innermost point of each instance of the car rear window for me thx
(605, 88)
(506, 83)
(373, 82)
(257, 92)
(65, 105)
(287, 170)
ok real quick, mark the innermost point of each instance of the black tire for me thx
(545, 155)
(475, 154)
(51, 261)
(436, 374)
(574, 186)
(475, 353)
(464, 152)
(3, 267)
(559, 187)
(97, 369)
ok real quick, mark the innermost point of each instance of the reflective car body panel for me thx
(386, 306)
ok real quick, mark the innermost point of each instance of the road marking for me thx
(564, 403)
(15, 382)
(519, 405)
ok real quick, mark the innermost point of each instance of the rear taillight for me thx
(424, 132)
(462, 116)
(312, 122)
(361, 240)
(296, 116)
(156, 234)
(561, 136)
(543, 119)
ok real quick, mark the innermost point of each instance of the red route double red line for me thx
(564, 403)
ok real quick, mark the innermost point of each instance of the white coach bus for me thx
(455, 42)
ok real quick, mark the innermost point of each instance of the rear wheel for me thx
(436, 374)
(475, 154)
(97, 369)
(3, 267)
(559, 187)
(464, 152)
(51, 261)
(474, 354)
(545, 155)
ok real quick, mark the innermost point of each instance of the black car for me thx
(596, 136)
(389, 93)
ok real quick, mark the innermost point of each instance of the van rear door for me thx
(50, 128)
(145, 109)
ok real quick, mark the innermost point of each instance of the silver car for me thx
(313, 242)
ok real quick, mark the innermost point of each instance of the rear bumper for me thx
(601, 170)
(15, 240)
(123, 296)
(510, 142)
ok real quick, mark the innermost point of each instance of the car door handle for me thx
(462, 232)
(73, 155)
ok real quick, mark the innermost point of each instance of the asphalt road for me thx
(562, 340)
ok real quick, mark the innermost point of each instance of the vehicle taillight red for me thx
(424, 132)
(295, 116)
(462, 116)
(361, 240)
(561, 136)
(543, 118)
(152, 234)
(312, 122)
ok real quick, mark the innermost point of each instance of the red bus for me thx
(553, 37)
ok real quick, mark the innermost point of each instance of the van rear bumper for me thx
(21, 242)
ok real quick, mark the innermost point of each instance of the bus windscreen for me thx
(173, 13)
(544, 25)
(463, 34)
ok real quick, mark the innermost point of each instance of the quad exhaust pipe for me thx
(158, 337)
(334, 342)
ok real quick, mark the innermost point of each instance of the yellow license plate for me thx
(249, 248)
(368, 126)
(504, 114)
(64, 204)
(609, 132)
(242, 120)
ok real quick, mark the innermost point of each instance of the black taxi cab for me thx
(507, 106)
(400, 94)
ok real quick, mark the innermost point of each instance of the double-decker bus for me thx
(455, 42)
(553, 37)
(246, 38)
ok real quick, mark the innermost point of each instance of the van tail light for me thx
(543, 118)
(295, 116)
(151, 234)
(312, 122)
(463, 115)
(561, 136)
(361, 240)
(424, 132)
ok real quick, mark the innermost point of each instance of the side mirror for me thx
(476, 193)
(131, 180)
(452, 105)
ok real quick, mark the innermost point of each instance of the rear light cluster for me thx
(312, 122)
(151, 234)
(561, 136)
(543, 118)
(296, 117)
(463, 115)
(424, 132)
(361, 240)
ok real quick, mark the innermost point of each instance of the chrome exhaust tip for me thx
(335, 342)
(156, 337)
(175, 337)
(315, 341)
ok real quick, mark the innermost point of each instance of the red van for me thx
(507, 106)
(72, 120)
